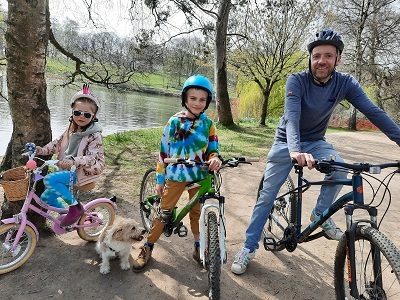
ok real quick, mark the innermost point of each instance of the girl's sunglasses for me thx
(78, 113)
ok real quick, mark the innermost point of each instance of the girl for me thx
(80, 145)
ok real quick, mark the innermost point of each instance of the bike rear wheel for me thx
(26, 245)
(103, 210)
(148, 189)
(282, 214)
(213, 256)
(377, 259)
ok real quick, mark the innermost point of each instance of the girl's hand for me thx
(65, 164)
(38, 150)
(214, 163)
(160, 189)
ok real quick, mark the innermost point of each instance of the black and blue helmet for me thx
(329, 37)
(199, 82)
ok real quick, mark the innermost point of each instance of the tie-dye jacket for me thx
(186, 138)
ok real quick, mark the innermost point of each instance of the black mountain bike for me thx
(367, 263)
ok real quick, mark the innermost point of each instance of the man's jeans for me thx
(278, 168)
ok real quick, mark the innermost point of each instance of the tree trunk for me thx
(353, 118)
(27, 38)
(221, 78)
(264, 110)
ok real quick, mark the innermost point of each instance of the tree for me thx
(382, 54)
(182, 57)
(269, 43)
(353, 16)
(27, 38)
(198, 13)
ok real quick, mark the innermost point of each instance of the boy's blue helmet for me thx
(327, 37)
(200, 82)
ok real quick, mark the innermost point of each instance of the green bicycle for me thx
(212, 218)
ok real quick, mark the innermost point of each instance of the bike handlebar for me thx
(31, 153)
(231, 162)
(326, 166)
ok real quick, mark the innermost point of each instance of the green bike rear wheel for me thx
(148, 189)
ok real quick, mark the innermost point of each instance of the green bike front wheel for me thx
(213, 256)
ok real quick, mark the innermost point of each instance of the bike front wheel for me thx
(149, 200)
(103, 210)
(377, 264)
(11, 260)
(213, 256)
(283, 213)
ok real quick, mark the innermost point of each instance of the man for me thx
(311, 97)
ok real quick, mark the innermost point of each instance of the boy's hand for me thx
(214, 163)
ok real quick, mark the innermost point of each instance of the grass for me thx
(129, 154)
(137, 150)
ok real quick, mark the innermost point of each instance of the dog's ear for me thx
(117, 232)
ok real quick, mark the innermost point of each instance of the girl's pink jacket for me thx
(90, 159)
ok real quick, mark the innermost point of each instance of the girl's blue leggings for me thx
(57, 185)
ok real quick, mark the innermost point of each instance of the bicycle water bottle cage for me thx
(181, 230)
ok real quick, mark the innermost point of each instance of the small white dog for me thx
(116, 241)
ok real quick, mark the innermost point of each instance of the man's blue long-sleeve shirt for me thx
(309, 106)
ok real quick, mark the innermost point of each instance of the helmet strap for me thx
(195, 116)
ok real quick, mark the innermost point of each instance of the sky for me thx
(108, 15)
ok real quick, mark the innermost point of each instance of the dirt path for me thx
(66, 267)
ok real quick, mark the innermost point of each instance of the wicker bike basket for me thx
(15, 183)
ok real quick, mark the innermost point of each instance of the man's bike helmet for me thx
(199, 82)
(329, 37)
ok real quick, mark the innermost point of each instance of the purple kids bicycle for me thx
(19, 236)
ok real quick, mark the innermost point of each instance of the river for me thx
(120, 111)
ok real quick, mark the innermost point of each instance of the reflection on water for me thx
(119, 111)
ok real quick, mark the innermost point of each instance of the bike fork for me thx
(222, 231)
(351, 245)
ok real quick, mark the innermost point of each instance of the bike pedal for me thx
(269, 244)
(69, 228)
(181, 230)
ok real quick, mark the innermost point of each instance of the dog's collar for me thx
(113, 250)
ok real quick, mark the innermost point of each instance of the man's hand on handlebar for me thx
(303, 159)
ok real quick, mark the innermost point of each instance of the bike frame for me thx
(22, 219)
(206, 192)
(356, 196)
